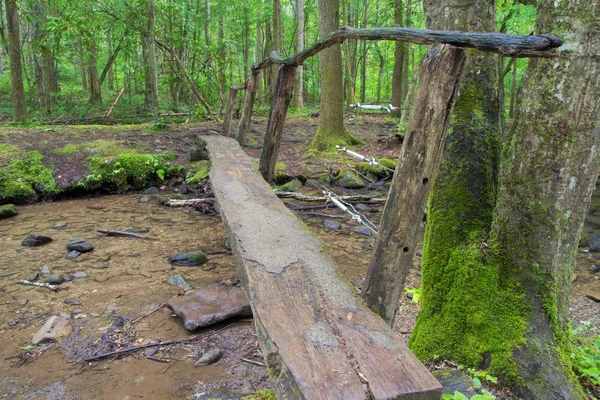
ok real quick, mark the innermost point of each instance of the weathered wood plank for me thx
(533, 46)
(319, 341)
(418, 162)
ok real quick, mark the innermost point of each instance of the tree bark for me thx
(298, 99)
(552, 165)
(16, 66)
(244, 123)
(95, 90)
(281, 101)
(418, 162)
(331, 118)
(151, 79)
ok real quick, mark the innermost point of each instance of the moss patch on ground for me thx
(129, 169)
(198, 172)
(100, 148)
(23, 174)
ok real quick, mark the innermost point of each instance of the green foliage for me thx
(479, 375)
(24, 174)
(586, 360)
(416, 294)
(485, 395)
(261, 395)
(134, 169)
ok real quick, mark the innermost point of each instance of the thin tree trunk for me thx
(83, 67)
(418, 163)
(244, 123)
(95, 90)
(298, 99)
(110, 73)
(16, 65)
(277, 40)
(207, 19)
(399, 58)
(281, 101)
(151, 79)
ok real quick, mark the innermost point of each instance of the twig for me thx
(162, 360)
(145, 346)
(316, 214)
(123, 233)
(253, 362)
(190, 202)
(148, 313)
(39, 284)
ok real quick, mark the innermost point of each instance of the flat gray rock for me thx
(210, 305)
(55, 328)
(178, 280)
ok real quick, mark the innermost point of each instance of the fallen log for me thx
(189, 202)
(54, 288)
(318, 340)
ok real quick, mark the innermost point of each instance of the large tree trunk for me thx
(506, 296)
(462, 202)
(331, 118)
(16, 66)
(551, 169)
(399, 55)
(298, 99)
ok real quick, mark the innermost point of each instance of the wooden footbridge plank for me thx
(318, 340)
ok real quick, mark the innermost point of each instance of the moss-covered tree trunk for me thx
(331, 118)
(502, 300)
(462, 201)
(550, 171)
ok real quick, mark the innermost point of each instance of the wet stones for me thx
(210, 305)
(7, 211)
(178, 280)
(73, 255)
(332, 225)
(55, 279)
(79, 244)
(211, 356)
(34, 240)
(151, 190)
(349, 179)
(190, 259)
(363, 230)
(55, 328)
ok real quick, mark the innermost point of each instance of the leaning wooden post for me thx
(247, 110)
(230, 104)
(418, 163)
(284, 90)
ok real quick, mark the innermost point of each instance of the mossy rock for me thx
(24, 174)
(7, 211)
(291, 186)
(198, 172)
(349, 179)
(198, 153)
(189, 259)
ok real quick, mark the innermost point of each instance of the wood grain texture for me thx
(318, 340)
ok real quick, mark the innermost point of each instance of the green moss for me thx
(325, 140)
(261, 395)
(374, 172)
(198, 172)
(8, 210)
(23, 174)
(100, 148)
(134, 169)
(349, 179)
(291, 186)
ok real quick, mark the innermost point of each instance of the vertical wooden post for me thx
(247, 110)
(229, 112)
(418, 163)
(230, 105)
(284, 89)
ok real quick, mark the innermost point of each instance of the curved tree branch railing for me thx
(534, 46)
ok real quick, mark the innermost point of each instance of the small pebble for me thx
(71, 302)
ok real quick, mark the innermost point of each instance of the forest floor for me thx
(120, 286)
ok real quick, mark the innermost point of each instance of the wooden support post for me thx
(247, 110)
(230, 105)
(318, 340)
(418, 163)
(284, 90)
